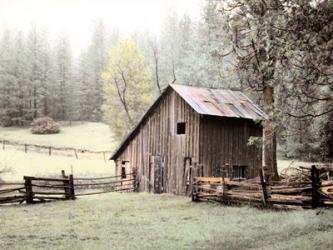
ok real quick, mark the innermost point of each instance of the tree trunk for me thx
(269, 136)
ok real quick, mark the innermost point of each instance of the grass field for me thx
(84, 135)
(87, 135)
(138, 221)
(36, 164)
(146, 221)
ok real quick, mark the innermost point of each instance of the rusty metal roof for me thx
(205, 101)
(219, 102)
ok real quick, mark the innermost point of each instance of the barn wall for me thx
(223, 142)
(157, 138)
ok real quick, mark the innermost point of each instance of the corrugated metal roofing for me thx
(205, 101)
(219, 102)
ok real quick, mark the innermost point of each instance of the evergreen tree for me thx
(63, 89)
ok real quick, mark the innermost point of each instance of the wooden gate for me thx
(158, 174)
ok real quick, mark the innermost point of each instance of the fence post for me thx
(29, 195)
(50, 149)
(315, 185)
(25, 148)
(71, 185)
(135, 180)
(3, 144)
(195, 189)
(263, 187)
(66, 184)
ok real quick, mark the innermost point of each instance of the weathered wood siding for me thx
(223, 143)
(157, 137)
(209, 145)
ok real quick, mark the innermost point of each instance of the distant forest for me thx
(277, 52)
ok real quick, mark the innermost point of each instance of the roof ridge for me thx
(206, 87)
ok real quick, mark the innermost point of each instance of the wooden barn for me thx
(192, 131)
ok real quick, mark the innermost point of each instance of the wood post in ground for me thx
(224, 189)
(263, 188)
(195, 189)
(71, 187)
(66, 185)
(25, 148)
(29, 195)
(76, 154)
(135, 182)
(3, 145)
(315, 182)
(50, 149)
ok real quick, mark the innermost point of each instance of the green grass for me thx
(37, 164)
(146, 221)
(83, 135)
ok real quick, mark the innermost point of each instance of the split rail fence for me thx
(99, 185)
(38, 189)
(51, 150)
(279, 194)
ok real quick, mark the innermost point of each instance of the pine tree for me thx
(97, 54)
(63, 91)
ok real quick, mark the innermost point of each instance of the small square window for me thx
(181, 128)
(239, 172)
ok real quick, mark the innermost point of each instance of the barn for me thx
(192, 131)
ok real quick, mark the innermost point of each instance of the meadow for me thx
(148, 221)
(84, 135)
(138, 220)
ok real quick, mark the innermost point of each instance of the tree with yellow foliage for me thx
(126, 87)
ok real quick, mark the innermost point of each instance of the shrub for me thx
(45, 125)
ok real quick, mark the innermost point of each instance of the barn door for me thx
(158, 175)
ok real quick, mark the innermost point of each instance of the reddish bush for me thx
(45, 125)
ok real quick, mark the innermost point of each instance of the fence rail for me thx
(258, 192)
(42, 189)
(50, 150)
(98, 185)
